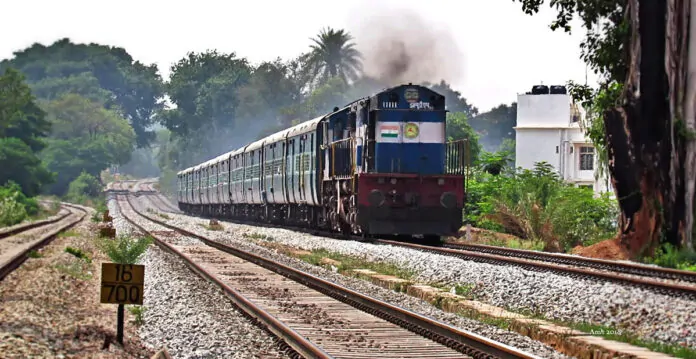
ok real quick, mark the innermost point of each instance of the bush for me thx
(537, 205)
(125, 250)
(14, 205)
(84, 189)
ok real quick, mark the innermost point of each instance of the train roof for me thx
(305, 127)
(254, 145)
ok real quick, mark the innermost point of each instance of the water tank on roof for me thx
(558, 90)
(540, 90)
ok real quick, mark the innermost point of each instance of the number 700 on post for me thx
(122, 283)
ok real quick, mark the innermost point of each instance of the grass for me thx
(163, 215)
(138, 311)
(353, 262)
(255, 235)
(34, 254)
(78, 253)
(68, 233)
(514, 243)
(76, 269)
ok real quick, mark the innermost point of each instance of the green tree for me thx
(454, 99)
(458, 128)
(83, 187)
(23, 127)
(104, 74)
(204, 89)
(640, 50)
(85, 137)
(20, 116)
(333, 54)
(496, 125)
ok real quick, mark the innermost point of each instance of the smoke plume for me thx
(399, 46)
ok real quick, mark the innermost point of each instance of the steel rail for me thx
(461, 340)
(652, 284)
(17, 260)
(298, 345)
(11, 231)
(533, 265)
(603, 264)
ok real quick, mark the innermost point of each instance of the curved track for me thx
(15, 248)
(386, 322)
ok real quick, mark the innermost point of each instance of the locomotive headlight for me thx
(448, 200)
(376, 198)
(440, 181)
(393, 181)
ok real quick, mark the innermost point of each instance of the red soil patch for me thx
(609, 249)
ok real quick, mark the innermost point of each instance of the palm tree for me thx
(333, 54)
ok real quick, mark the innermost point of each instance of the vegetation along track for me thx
(15, 247)
(343, 331)
(657, 285)
(602, 264)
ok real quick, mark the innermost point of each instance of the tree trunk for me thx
(652, 158)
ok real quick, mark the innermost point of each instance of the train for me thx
(379, 166)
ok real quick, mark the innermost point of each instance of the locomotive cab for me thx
(389, 167)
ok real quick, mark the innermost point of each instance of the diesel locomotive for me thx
(378, 166)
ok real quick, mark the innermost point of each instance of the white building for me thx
(549, 129)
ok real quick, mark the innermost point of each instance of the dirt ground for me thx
(49, 307)
(608, 249)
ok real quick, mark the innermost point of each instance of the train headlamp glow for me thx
(393, 181)
(440, 181)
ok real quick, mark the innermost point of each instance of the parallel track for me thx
(616, 272)
(7, 267)
(602, 264)
(656, 285)
(449, 337)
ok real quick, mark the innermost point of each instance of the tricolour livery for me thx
(379, 166)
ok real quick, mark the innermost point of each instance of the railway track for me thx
(315, 317)
(601, 264)
(15, 247)
(660, 280)
(657, 285)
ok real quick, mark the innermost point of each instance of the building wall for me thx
(547, 130)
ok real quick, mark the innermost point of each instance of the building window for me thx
(586, 158)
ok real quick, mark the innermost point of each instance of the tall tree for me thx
(333, 54)
(22, 130)
(495, 126)
(104, 74)
(85, 137)
(646, 54)
(204, 88)
(454, 100)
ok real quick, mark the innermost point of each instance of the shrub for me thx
(84, 188)
(124, 249)
(537, 205)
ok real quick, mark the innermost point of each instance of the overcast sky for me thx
(487, 49)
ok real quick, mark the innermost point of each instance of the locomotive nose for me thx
(376, 198)
(448, 200)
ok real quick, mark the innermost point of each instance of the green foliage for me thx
(14, 205)
(333, 55)
(496, 126)
(458, 128)
(34, 254)
(85, 137)
(139, 312)
(536, 205)
(125, 249)
(22, 128)
(84, 187)
(103, 74)
(78, 253)
(671, 257)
